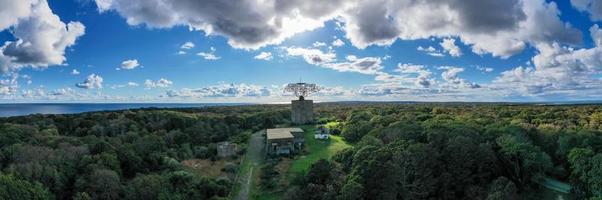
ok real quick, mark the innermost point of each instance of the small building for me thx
(284, 141)
(322, 133)
(226, 149)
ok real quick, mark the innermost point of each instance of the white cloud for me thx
(311, 56)
(246, 24)
(338, 43)
(264, 56)
(450, 75)
(74, 72)
(161, 83)
(318, 44)
(209, 55)
(596, 34)
(10, 85)
(502, 28)
(484, 69)
(450, 47)
(93, 81)
(187, 45)
(128, 84)
(222, 90)
(558, 69)
(366, 65)
(424, 77)
(430, 51)
(129, 64)
(593, 7)
(41, 37)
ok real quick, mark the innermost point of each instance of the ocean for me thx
(19, 109)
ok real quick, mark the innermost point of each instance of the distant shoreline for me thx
(22, 109)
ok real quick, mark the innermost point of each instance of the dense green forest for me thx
(399, 151)
(458, 151)
(134, 154)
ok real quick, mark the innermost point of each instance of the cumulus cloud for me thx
(558, 69)
(93, 81)
(449, 45)
(161, 83)
(184, 47)
(593, 7)
(129, 64)
(501, 28)
(423, 77)
(333, 91)
(430, 51)
(312, 56)
(187, 45)
(366, 65)
(338, 43)
(484, 69)
(209, 55)
(246, 23)
(59, 92)
(74, 72)
(128, 84)
(450, 75)
(40, 36)
(318, 44)
(264, 56)
(10, 85)
(221, 90)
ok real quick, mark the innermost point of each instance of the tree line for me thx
(458, 151)
(130, 154)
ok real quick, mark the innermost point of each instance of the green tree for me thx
(145, 187)
(12, 188)
(104, 184)
(521, 160)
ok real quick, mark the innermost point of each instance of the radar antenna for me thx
(302, 90)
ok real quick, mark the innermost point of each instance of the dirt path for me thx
(255, 158)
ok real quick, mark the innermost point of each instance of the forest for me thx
(398, 151)
(131, 154)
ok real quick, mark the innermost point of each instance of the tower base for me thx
(302, 111)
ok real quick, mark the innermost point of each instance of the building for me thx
(302, 111)
(225, 149)
(284, 141)
(322, 133)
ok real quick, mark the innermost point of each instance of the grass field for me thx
(316, 150)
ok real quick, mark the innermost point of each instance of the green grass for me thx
(317, 149)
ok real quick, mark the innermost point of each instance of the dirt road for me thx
(254, 156)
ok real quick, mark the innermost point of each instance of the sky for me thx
(249, 50)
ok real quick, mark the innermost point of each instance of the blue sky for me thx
(248, 50)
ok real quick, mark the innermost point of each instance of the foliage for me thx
(129, 154)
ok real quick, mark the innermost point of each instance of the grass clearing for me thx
(316, 150)
(206, 167)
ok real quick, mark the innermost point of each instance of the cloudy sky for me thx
(248, 50)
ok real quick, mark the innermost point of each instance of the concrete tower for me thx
(302, 109)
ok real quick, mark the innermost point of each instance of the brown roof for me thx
(281, 133)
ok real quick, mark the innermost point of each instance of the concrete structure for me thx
(284, 141)
(225, 149)
(302, 111)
